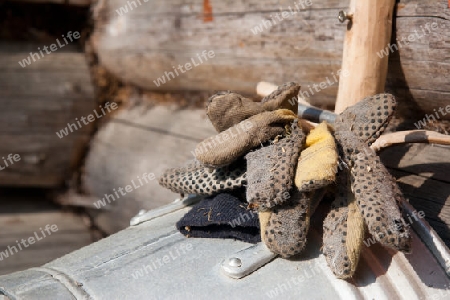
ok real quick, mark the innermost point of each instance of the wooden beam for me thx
(305, 48)
(37, 101)
(146, 140)
(65, 2)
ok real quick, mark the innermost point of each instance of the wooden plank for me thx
(46, 160)
(140, 140)
(21, 116)
(273, 55)
(65, 2)
(430, 196)
(425, 160)
(422, 174)
(306, 48)
(23, 215)
(38, 101)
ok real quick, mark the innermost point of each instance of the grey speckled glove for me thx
(367, 193)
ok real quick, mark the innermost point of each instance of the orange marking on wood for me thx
(207, 11)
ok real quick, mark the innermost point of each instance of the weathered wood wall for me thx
(139, 140)
(36, 102)
(24, 213)
(139, 46)
(65, 2)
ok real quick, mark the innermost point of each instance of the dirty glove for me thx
(317, 164)
(195, 178)
(226, 109)
(285, 221)
(283, 211)
(271, 169)
(221, 216)
(374, 195)
(234, 142)
(284, 227)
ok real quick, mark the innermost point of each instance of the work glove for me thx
(367, 194)
(284, 220)
(234, 142)
(195, 178)
(226, 109)
(230, 111)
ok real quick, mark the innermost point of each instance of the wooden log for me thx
(23, 214)
(368, 31)
(141, 45)
(139, 140)
(65, 2)
(37, 101)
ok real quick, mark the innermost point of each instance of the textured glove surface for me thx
(284, 228)
(194, 178)
(343, 230)
(221, 216)
(226, 109)
(375, 194)
(270, 170)
(229, 145)
(285, 96)
(317, 164)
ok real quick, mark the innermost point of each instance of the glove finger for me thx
(367, 118)
(198, 179)
(343, 231)
(270, 170)
(229, 145)
(226, 109)
(317, 164)
(284, 228)
(285, 96)
(377, 195)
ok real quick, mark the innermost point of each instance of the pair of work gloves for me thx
(282, 162)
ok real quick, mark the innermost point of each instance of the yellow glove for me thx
(317, 164)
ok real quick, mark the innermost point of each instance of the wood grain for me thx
(422, 174)
(146, 42)
(65, 2)
(37, 101)
(23, 214)
(367, 72)
(140, 140)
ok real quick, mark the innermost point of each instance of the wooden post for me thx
(369, 31)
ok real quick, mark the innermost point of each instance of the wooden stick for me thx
(411, 136)
(369, 31)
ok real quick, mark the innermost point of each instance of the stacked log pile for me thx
(305, 46)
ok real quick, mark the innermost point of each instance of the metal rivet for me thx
(234, 262)
(344, 16)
